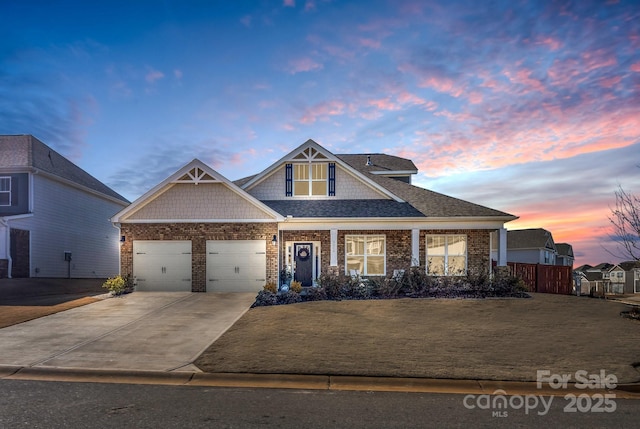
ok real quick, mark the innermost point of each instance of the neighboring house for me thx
(54, 216)
(565, 254)
(531, 246)
(312, 212)
(594, 279)
(625, 277)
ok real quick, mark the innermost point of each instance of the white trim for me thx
(197, 221)
(334, 247)
(289, 158)
(166, 184)
(324, 224)
(415, 247)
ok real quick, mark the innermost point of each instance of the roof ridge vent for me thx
(369, 163)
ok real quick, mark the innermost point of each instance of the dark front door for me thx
(19, 252)
(303, 254)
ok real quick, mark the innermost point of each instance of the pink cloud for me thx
(552, 43)
(384, 104)
(153, 75)
(523, 77)
(475, 97)
(445, 85)
(610, 82)
(303, 65)
(323, 111)
(635, 67)
(370, 43)
(289, 3)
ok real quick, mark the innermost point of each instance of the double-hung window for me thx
(446, 255)
(365, 254)
(310, 179)
(5, 191)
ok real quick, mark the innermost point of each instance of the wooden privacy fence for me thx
(556, 279)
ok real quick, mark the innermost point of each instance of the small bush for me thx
(116, 285)
(271, 287)
(315, 294)
(265, 298)
(288, 297)
(295, 286)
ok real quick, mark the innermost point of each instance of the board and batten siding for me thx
(66, 218)
(348, 187)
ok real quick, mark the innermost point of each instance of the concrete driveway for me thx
(160, 331)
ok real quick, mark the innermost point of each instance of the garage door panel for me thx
(236, 265)
(162, 265)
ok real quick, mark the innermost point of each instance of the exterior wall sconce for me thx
(274, 240)
(122, 239)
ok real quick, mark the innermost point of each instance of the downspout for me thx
(117, 226)
(4, 222)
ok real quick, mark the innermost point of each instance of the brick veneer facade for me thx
(398, 245)
(198, 234)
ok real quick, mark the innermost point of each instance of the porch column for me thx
(334, 248)
(502, 247)
(415, 247)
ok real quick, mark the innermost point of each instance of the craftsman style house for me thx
(54, 216)
(311, 212)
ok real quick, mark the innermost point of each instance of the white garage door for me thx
(162, 265)
(236, 265)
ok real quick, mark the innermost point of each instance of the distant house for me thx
(565, 254)
(625, 277)
(531, 246)
(54, 216)
(594, 280)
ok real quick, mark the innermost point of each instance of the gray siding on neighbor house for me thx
(19, 194)
(66, 218)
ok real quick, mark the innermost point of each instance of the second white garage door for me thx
(162, 265)
(236, 265)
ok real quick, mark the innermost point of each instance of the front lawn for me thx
(493, 339)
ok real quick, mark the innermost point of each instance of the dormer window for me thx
(310, 179)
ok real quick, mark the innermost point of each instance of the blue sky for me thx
(530, 107)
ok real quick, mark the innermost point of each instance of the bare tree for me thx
(625, 218)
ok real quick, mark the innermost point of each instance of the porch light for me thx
(274, 240)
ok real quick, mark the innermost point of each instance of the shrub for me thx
(333, 285)
(295, 287)
(315, 294)
(271, 287)
(288, 297)
(116, 285)
(265, 298)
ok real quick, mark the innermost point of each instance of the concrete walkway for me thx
(141, 331)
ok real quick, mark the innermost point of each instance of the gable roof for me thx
(306, 152)
(433, 204)
(195, 172)
(564, 249)
(380, 163)
(534, 238)
(27, 152)
(629, 265)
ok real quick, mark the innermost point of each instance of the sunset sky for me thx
(529, 107)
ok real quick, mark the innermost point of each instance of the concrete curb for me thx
(305, 382)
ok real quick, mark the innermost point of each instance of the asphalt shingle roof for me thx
(26, 151)
(343, 208)
(534, 238)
